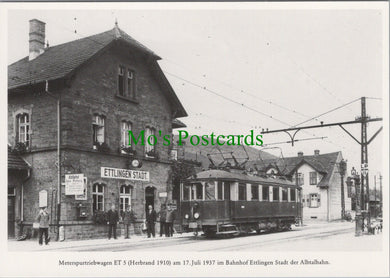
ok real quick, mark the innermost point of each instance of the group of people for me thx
(166, 217)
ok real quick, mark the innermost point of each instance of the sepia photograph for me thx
(229, 138)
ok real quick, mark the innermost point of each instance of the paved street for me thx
(312, 237)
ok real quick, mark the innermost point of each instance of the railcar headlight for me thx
(196, 215)
(186, 216)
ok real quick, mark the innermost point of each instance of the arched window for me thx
(23, 128)
(98, 197)
(124, 197)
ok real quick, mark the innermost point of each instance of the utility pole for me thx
(363, 120)
(342, 170)
(358, 217)
(376, 207)
(381, 198)
(364, 157)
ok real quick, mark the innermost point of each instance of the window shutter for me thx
(319, 200)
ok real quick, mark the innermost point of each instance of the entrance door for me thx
(149, 197)
(11, 217)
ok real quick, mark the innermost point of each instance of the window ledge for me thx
(132, 100)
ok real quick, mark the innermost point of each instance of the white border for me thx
(343, 263)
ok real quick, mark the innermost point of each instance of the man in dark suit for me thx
(163, 215)
(151, 217)
(112, 220)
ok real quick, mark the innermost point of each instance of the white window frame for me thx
(148, 132)
(23, 137)
(125, 127)
(313, 197)
(125, 196)
(97, 194)
(310, 178)
(98, 126)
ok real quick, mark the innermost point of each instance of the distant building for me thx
(320, 179)
(91, 91)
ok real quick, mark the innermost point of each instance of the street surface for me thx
(312, 237)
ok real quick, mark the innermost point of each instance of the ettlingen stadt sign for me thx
(115, 173)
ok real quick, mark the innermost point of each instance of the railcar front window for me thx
(186, 192)
(197, 190)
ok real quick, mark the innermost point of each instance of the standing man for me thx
(43, 219)
(163, 215)
(170, 219)
(112, 220)
(151, 217)
(128, 219)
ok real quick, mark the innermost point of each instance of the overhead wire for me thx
(210, 91)
(327, 112)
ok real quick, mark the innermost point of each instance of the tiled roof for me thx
(225, 175)
(16, 162)
(61, 60)
(323, 163)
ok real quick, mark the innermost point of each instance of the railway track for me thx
(192, 243)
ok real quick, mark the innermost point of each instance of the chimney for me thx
(36, 38)
(316, 152)
(300, 154)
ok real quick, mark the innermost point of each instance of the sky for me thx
(251, 67)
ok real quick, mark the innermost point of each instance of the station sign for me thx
(124, 174)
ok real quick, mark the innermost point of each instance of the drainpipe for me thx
(58, 157)
(22, 195)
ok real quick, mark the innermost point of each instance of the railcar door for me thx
(227, 199)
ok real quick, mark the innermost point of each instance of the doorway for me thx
(149, 197)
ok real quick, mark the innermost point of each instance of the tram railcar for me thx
(220, 202)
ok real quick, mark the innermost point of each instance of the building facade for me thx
(321, 181)
(70, 109)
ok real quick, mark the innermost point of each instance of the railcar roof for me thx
(225, 175)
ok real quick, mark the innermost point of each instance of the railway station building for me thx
(320, 179)
(70, 107)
